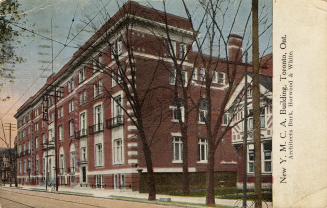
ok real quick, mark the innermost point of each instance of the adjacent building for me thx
(266, 118)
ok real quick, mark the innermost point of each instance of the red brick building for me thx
(97, 143)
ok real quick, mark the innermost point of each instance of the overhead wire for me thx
(65, 45)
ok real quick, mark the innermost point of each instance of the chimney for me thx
(235, 49)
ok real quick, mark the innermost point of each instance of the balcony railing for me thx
(81, 133)
(96, 128)
(115, 122)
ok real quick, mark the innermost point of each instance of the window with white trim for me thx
(83, 97)
(203, 111)
(267, 147)
(251, 158)
(99, 154)
(83, 154)
(221, 78)
(71, 128)
(81, 75)
(98, 88)
(62, 164)
(98, 118)
(73, 162)
(203, 150)
(61, 132)
(195, 74)
(177, 149)
(172, 48)
(83, 123)
(118, 151)
(117, 109)
(177, 113)
(182, 51)
(71, 106)
(99, 181)
(226, 119)
(202, 74)
(173, 77)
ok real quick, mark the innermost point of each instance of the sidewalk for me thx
(132, 195)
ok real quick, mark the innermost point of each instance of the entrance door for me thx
(84, 174)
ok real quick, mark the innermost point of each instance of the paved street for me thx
(13, 198)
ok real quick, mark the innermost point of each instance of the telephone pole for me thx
(12, 160)
(55, 92)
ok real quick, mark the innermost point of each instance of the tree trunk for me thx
(210, 177)
(149, 167)
(256, 103)
(186, 178)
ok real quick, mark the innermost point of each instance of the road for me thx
(14, 198)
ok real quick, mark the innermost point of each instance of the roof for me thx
(129, 8)
(264, 80)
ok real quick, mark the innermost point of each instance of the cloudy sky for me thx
(32, 73)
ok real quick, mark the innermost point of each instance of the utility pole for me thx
(54, 92)
(12, 160)
(245, 135)
(256, 102)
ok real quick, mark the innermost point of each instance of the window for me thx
(203, 111)
(99, 181)
(118, 151)
(71, 106)
(61, 132)
(83, 124)
(36, 142)
(60, 112)
(25, 167)
(83, 154)
(71, 128)
(203, 150)
(182, 51)
(178, 113)
(51, 135)
(98, 118)
(83, 97)
(37, 166)
(172, 78)
(117, 109)
(177, 149)
(44, 138)
(36, 126)
(70, 85)
(226, 119)
(202, 74)
(251, 157)
(221, 78)
(250, 122)
(195, 74)
(81, 75)
(73, 162)
(267, 147)
(98, 154)
(172, 48)
(98, 88)
(62, 164)
(117, 48)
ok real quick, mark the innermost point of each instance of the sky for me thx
(31, 75)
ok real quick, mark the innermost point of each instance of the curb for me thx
(122, 198)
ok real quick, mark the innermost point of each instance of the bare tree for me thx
(217, 47)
